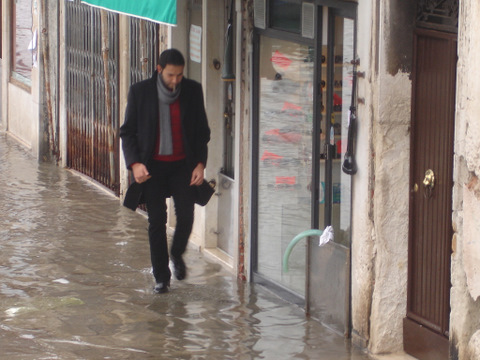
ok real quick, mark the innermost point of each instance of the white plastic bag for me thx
(326, 236)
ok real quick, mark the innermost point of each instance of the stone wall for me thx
(391, 206)
(465, 303)
(381, 195)
(363, 237)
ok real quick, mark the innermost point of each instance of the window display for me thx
(285, 158)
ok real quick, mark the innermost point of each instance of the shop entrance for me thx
(304, 90)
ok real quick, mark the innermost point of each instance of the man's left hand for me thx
(197, 175)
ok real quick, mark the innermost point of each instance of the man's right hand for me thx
(140, 173)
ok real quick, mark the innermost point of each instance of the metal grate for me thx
(260, 14)
(308, 20)
(147, 41)
(143, 49)
(92, 93)
(438, 15)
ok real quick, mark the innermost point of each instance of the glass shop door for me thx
(328, 290)
(303, 108)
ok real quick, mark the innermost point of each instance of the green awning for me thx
(161, 11)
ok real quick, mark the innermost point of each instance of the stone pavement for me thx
(76, 284)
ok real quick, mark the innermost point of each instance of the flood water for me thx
(76, 284)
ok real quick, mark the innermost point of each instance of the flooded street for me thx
(76, 284)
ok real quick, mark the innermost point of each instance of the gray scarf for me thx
(165, 98)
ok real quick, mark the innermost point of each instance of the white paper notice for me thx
(196, 43)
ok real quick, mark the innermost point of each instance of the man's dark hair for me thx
(171, 57)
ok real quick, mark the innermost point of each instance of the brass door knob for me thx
(429, 180)
(428, 183)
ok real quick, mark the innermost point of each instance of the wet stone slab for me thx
(76, 284)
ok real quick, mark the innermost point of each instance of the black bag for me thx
(203, 192)
(134, 196)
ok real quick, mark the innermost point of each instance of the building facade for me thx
(360, 115)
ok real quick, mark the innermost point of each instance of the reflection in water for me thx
(76, 284)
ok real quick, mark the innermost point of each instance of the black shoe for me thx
(161, 287)
(180, 270)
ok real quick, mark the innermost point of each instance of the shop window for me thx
(22, 41)
(285, 122)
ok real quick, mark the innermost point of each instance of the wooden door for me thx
(427, 321)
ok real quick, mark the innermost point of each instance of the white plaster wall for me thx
(179, 34)
(22, 116)
(213, 35)
(465, 302)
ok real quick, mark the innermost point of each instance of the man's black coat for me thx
(139, 131)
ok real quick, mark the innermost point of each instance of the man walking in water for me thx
(164, 140)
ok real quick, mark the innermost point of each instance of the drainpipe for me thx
(46, 75)
(242, 62)
(108, 98)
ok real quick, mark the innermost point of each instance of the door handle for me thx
(429, 183)
(429, 180)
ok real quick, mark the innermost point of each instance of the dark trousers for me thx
(168, 179)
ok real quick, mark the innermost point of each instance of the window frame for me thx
(15, 77)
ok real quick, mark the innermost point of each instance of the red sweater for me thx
(177, 138)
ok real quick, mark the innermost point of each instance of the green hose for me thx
(295, 240)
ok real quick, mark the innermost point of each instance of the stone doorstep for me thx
(396, 356)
